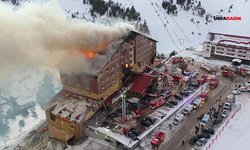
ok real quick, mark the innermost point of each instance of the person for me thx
(182, 142)
(196, 131)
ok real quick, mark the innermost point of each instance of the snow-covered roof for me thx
(228, 39)
(69, 105)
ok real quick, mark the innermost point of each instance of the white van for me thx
(204, 120)
(178, 118)
(188, 109)
(196, 103)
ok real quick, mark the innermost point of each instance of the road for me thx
(187, 129)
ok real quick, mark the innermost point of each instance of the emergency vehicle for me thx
(202, 80)
(159, 138)
(204, 120)
(204, 94)
(157, 102)
(177, 60)
(228, 74)
(214, 83)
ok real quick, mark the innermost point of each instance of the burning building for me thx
(84, 91)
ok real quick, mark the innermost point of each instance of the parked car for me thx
(178, 97)
(215, 122)
(188, 109)
(244, 89)
(235, 92)
(135, 131)
(227, 105)
(203, 135)
(186, 91)
(131, 135)
(207, 130)
(169, 105)
(194, 84)
(247, 84)
(146, 123)
(178, 118)
(204, 120)
(111, 116)
(224, 113)
(150, 119)
(173, 102)
(201, 141)
(193, 140)
(216, 113)
(167, 94)
(133, 105)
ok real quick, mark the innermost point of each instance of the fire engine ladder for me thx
(155, 69)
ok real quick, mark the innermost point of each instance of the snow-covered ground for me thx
(24, 87)
(236, 134)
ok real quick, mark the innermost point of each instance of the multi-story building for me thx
(225, 46)
(83, 93)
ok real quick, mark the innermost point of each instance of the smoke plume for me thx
(43, 33)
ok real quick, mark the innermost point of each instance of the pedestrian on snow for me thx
(208, 113)
(196, 131)
(130, 142)
(182, 142)
(219, 100)
(211, 118)
(230, 109)
(216, 100)
(235, 85)
(202, 115)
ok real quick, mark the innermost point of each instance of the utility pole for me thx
(123, 107)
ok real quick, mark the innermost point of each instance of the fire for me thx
(89, 54)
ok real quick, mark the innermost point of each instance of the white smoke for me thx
(42, 33)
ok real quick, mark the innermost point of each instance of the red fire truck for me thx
(214, 83)
(157, 102)
(243, 71)
(177, 77)
(202, 80)
(176, 60)
(228, 74)
(159, 138)
(204, 94)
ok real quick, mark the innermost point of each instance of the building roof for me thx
(69, 105)
(141, 82)
(94, 65)
(228, 39)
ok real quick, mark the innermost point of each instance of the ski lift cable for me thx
(177, 25)
(164, 26)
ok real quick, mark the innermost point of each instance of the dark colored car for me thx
(173, 102)
(146, 123)
(203, 135)
(215, 122)
(194, 84)
(151, 120)
(208, 130)
(186, 91)
(133, 105)
(178, 97)
(167, 94)
(112, 116)
(169, 105)
(132, 136)
(193, 140)
(105, 124)
(216, 113)
(135, 131)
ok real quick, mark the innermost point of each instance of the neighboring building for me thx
(225, 46)
(83, 94)
(141, 85)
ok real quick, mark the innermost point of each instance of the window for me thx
(54, 126)
(102, 87)
(78, 85)
(111, 59)
(88, 94)
(131, 61)
(117, 64)
(61, 122)
(52, 117)
(71, 127)
(130, 55)
(101, 73)
(108, 84)
(113, 80)
(130, 50)
(121, 62)
(107, 77)
(107, 70)
(112, 67)
(101, 93)
(79, 91)
(117, 71)
(63, 129)
(113, 74)
(87, 87)
(102, 80)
